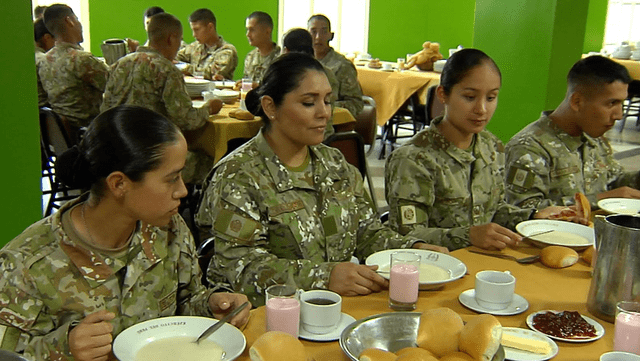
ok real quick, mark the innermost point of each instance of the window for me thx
(349, 20)
(623, 23)
(79, 7)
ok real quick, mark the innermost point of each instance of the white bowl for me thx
(534, 226)
(620, 205)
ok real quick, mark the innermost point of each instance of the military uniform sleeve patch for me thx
(408, 215)
(520, 177)
(235, 226)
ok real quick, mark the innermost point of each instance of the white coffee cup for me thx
(320, 311)
(387, 66)
(619, 356)
(494, 289)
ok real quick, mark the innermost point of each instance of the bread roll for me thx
(416, 357)
(558, 256)
(457, 356)
(277, 345)
(589, 255)
(439, 330)
(243, 115)
(480, 337)
(376, 354)
(414, 350)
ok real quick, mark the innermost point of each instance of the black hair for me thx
(203, 15)
(162, 25)
(460, 64)
(126, 138)
(40, 30)
(154, 10)
(262, 18)
(38, 12)
(283, 76)
(54, 16)
(320, 17)
(298, 40)
(594, 71)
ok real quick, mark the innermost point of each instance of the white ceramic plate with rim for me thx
(535, 226)
(594, 323)
(451, 265)
(521, 355)
(131, 340)
(345, 320)
(620, 205)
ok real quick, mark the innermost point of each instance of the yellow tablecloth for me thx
(544, 288)
(632, 66)
(391, 89)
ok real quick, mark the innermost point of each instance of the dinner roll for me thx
(376, 354)
(416, 357)
(589, 255)
(414, 350)
(558, 256)
(277, 345)
(439, 330)
(457, 356)
(480, 337)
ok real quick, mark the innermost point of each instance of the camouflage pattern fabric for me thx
(255, 65)
(50, 283)
(546, 166)
(272, 224)
(74, 81)
(349, 90)
(146, 78)
(42, 95)
(221, 59)
(437, 191)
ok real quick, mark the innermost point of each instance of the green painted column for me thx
(20, 145)
(534, 42)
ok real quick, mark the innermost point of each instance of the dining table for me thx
(633, 66)
(544, 288)
(392, 88)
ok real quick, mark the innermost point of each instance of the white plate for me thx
(596, 325)
(224, 84)
(453, 266)
(620, 205)
(518, 305)
(534, 226)
(334, 335)
(131, 340)
(520, 355)
(198, 103)
(195, 81)
(224, 93)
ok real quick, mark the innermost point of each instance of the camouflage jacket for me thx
(437, 191)
(49, 284)
(210, 59)
(546, 166)
(42, 95)
(271, 224)
(349, 91)
(255, 65)
(74, 81)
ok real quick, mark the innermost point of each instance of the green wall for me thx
(20, 147)
(109, 19)
(596, 20)
(397, 28)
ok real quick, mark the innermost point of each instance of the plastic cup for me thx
(404, 281)
(283, 309)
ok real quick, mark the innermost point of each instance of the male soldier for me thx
(148, 78)
(349, 93)
(209, 54)
(564, 151)
(259, 28)
(44, 42)
(133, 44)
(72, 78)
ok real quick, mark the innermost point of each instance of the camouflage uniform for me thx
(74, 81)
(255, 65)
(50, 283)
(437, 191)
(547, 166)
(349, 91)
(210, 59)
(42, 95)
(271, 224)
(146, 78)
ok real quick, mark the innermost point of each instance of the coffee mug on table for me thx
(283, 309)
(320, 311)
(387, 66)
(494, 289)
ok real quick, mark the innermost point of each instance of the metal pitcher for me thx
(616, 273)
(113, 49)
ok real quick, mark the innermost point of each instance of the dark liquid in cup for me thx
(320, 301)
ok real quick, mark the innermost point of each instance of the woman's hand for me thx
(91, 338)
(493, 236)
(223, 303)
(350, 279)
(430, 247)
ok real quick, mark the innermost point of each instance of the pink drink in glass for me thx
(627, 332)
(283, 314)
(403, 283)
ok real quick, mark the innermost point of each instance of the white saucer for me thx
(519, 304)
(334, 335)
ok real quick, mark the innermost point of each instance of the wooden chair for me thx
(433, 108)
(366, 122)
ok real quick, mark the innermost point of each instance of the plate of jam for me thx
(568, 326)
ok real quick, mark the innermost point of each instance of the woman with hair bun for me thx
(118, 255)
(284, 206)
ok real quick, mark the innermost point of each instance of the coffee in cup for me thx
(320, 311)
(494, 289)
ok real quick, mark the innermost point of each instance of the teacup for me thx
(320, 311)
(619, 356)
(387, 66)
(494, 289)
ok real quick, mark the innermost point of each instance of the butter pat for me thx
(525, 344)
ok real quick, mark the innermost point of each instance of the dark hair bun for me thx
(252, 102)
(73, 169)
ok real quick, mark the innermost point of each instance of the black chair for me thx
(10, 356)
(631, 105)
(206, 250)
(351, 145)
(54, 140)
(433, 107)
(410, 117)
(366, 122)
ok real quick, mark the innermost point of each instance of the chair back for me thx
(366, 121)
(10, 356)
(433, 108)
(53, 134)
(351, 146)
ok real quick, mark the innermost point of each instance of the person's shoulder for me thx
(36, 241)
(245, 159)
(227, 46)
(531, 134)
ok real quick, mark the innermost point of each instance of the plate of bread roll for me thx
(568, 234)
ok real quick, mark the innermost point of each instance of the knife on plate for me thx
(213, 328)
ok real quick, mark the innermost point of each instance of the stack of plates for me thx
(224, 84)
(196, 86)
(227, 96)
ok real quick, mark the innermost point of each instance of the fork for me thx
(525, 260)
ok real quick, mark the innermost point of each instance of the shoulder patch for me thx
(520, 177)
(408, 215)
(235, 226)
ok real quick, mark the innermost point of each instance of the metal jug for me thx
(616, 273)
(113, 49)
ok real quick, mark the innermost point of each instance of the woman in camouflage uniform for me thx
(112, 258)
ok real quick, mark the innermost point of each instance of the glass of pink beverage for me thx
(627, 327)
(283, 309)
(404, 281)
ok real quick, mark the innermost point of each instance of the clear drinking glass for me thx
(627, 327)
(400, 63)
(283, 309)
(404, 281)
